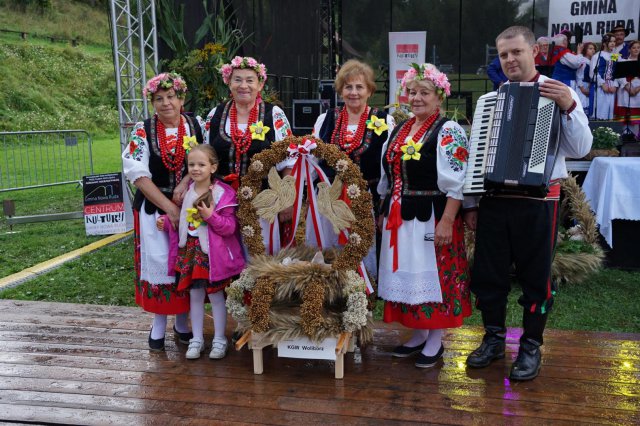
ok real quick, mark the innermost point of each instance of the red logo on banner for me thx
(104, 208)
(406, 52)
(407, 48)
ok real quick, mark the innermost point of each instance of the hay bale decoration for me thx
(303, 291)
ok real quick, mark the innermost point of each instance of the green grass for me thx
(104, 277)
(33, 243)
(56, 87)
(65, 19)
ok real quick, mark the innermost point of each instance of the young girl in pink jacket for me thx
(206, 251)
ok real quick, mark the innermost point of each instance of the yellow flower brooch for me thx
(189, 142)
(259, 130)
(411, 150)
(378, 125)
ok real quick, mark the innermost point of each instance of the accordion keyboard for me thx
(478, 144)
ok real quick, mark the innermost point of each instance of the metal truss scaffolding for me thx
(135, 51)
(331, 38)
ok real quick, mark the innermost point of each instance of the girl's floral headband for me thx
(246, 62)
(427, 72)
(166, 80)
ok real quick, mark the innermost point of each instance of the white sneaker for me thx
(196, 347)
(218, 348)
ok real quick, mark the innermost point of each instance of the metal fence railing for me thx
(36, 159)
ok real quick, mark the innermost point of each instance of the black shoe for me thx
(156, 345)
(424, 361)
(527, 364)
(182, 337)
(403, 351)
(491, 348)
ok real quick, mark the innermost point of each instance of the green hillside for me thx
(47, 85)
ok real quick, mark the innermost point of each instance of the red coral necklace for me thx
(241, 141)
(173, 161)
(339, 135)
(394, 153)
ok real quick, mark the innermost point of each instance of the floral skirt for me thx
(163, 299)
(454, 283)
(192, 267)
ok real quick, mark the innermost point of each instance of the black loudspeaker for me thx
(305, 113)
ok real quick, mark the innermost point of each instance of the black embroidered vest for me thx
(419, 179)
(223, 144)
(160, 176)
(367, 156)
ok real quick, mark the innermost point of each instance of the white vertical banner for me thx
(595, 17)
(404, 48)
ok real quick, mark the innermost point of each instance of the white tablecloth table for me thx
(612, 188)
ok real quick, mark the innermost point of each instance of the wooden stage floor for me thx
(88, 364)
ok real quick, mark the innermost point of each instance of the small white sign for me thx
(107, 210)
(307, 349)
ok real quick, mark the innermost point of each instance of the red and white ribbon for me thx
(304, 165)
(302, 169)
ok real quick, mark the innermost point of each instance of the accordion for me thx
(513, 143)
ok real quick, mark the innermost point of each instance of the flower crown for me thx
(165, 80)
(427, 72)
(246, 62)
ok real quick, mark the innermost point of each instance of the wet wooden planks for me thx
(87, 364)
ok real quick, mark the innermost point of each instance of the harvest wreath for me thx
(301, 290)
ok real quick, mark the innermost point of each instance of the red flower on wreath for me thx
(140, 132)
(446, 140)
(132, 147)
(461, 154)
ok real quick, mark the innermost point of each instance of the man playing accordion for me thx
(521, 230)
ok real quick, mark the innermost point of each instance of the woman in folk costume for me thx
(359, 130)
(245, 125)
(154, 162)
(602, 64)
(423, 275)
